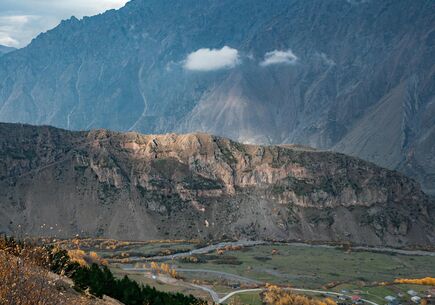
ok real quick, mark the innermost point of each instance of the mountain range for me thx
(196, 186)
(5, 50)
(350, 76)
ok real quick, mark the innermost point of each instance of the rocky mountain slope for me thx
(352, 76)
(131, 186)
(361, 79)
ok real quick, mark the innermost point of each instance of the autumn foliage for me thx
(423, 281)
(164, 269)
(33, 274)
(85, 259)
(26, 281)
(275, 295)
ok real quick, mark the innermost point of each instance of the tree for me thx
(275, 295)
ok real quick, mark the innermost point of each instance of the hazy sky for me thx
(22, 20)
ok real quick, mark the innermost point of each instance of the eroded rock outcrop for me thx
(132, 186)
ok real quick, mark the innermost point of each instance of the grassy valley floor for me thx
(230, 268)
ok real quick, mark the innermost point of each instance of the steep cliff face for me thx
(362, 81)
(132, 186)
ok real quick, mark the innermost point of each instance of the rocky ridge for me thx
(133, 186)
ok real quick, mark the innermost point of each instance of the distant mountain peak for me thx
(6, 49)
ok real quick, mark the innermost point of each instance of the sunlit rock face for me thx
(352, 76)
(132, 186)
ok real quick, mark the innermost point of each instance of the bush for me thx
(262, 258)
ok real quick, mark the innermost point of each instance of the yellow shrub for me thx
(78, 256)
(423, 281)
(275, 295)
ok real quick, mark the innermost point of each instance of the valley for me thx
(223, 221)
(230, 270)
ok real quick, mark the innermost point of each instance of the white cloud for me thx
(8, 41)
(279, 57)
(212, 59)
(12, 26)
(80, 8)
(22, 20)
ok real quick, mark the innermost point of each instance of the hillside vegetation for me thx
(39, 275)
